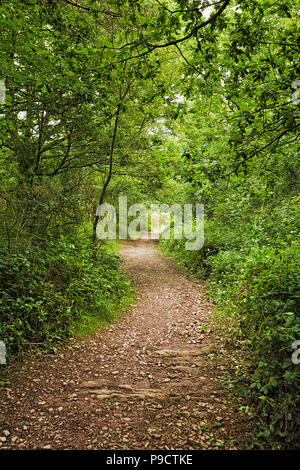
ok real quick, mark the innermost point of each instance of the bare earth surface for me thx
(152, 380)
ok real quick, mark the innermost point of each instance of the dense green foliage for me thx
(50, 293)
(162, 101)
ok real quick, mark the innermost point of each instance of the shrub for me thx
(48, 293)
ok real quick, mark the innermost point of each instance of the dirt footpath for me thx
(152, 380)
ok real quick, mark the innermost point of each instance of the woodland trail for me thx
(152, 380)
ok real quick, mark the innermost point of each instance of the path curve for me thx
(152, 380)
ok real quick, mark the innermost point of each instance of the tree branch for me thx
(211, 20)
(286, 131)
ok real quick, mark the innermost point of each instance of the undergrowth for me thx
(252, 267)
(51, 293)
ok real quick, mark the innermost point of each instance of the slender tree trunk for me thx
(111, 157)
